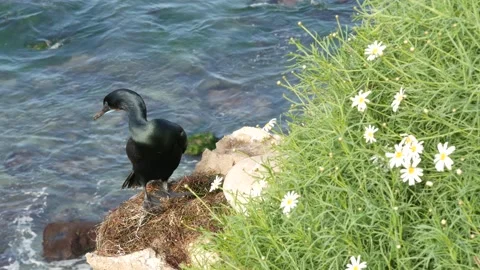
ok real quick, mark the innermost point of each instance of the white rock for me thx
(215, 162)
(248, 134)
(241, 144)
(145, 259)
(239, 181)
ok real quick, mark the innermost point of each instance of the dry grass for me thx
(167, 229)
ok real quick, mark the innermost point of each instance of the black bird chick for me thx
(154, 148)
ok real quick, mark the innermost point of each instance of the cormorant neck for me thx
(136, 117)
(137, 122)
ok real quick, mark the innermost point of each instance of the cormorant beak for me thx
(105, 109)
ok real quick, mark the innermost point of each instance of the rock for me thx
(217, 82)
(217, 163)
(237, 156)
(145, 259)
(243, 143)
(243, 181)
(44, 44)
(68, 240)
(255, 135)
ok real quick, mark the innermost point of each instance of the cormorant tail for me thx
(131, 181)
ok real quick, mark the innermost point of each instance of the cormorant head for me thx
(122, 99)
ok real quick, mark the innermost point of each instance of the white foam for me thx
(14, 266)
(22, 244)
(260, 4)
(97, 196)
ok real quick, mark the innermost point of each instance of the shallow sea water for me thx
(207, 65)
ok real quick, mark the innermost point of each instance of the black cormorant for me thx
(154, 148)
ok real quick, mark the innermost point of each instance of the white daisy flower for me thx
(374, 50)
(398, 98)
(361, 100)
(268, 126)
(257, 188)
(442, 159)
(369, 134)
(356, 264)
(289, 201)
(407, 139)
(216, 183)
(414, 149)
(411, 173)
(398, 157)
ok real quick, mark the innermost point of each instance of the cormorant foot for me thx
(149, 205)
(172, 194)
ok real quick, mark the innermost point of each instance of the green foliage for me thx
(197, 143)
(350, 204)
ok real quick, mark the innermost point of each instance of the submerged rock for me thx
(45, 44)
(68, 240)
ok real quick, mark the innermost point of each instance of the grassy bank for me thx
(352, 202)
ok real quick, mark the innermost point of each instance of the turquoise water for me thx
(207, 65)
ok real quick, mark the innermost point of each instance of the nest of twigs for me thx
(167, 229)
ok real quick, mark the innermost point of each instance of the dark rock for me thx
(68, 240)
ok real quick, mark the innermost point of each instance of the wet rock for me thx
(68, 240)
(145, 259)
(65, 213)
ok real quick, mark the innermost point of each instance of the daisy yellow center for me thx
(375, 50)
(356, 267)
(361, 100)
(407, 141)
(411, 170)
(413, 148)
(443, 156)
(398, 154)
(370, 134)
(289, 202)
